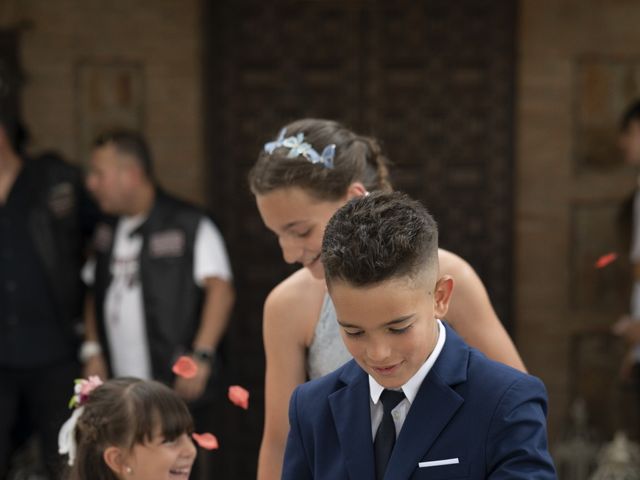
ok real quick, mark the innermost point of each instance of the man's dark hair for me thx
(131, 143)
(631, 114)
(15, 130)
(378, 237)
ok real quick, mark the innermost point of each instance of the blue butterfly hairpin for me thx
(297, 146)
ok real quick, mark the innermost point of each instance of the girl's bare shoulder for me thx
(295, 304)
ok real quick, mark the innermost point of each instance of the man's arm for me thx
(94, 362)
(212, 272)
(517, 441)
(295, 466)
(218, 302)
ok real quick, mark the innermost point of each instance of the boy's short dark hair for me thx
(131, 143)
(379, 237)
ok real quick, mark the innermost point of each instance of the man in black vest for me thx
(44, 219)
(160, 275)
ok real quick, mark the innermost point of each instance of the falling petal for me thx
(605, 260)
(185, 367)
(206, 440)
(239, 396)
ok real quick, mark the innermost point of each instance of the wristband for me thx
(89, 349)
(205, 355)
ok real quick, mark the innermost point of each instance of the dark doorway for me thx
(433, 79)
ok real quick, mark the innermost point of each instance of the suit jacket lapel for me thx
(352, 417)
(431, 410)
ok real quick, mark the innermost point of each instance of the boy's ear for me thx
(356, 189)
(442, 295)
(115, 460)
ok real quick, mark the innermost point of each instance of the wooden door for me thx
(432, 79)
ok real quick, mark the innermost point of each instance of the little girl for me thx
(127, 428)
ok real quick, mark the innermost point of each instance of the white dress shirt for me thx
(410, 389)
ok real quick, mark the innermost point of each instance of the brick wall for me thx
(557, 197)
(162, 36)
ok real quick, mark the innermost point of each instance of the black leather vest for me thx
(60, 218)
(172, 300)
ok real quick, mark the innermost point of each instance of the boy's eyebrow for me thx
(388, 324)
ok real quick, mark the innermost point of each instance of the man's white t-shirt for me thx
(124, 316)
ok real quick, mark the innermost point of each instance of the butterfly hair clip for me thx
(297, 146)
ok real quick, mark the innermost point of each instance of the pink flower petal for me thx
(185, 367)
(605, 260)
(206, 440)
(239, 396)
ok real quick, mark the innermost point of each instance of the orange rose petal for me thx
(605, 260)
(239, 396)
(185, 367)
(206, 440)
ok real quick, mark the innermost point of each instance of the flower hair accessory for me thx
(297, 146)
(67, 435)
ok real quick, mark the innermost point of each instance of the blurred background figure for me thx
(629, 325)
(45, 219)
(160, 277)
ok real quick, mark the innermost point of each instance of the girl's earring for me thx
(128, 470)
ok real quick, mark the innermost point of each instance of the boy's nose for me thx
(378, 352)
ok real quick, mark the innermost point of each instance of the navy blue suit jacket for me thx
(490, 417)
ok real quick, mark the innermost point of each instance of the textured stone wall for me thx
(161, 39)
(577, 62)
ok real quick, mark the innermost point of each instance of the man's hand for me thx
(191, 389)
(627, 328)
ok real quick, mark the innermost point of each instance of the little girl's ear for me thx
(114, 459)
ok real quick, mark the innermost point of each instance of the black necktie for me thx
(386, 434)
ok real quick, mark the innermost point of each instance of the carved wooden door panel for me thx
(432, 79)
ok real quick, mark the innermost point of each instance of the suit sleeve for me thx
(517, 439)
(296, 465)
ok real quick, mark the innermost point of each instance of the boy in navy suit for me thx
(416, 401)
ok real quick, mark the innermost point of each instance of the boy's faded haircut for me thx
(378, 237)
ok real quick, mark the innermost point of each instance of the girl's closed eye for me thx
(304, 233)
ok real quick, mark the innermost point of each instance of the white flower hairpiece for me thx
(297, 146)
(67, 435)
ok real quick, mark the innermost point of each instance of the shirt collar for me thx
(410, 389)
